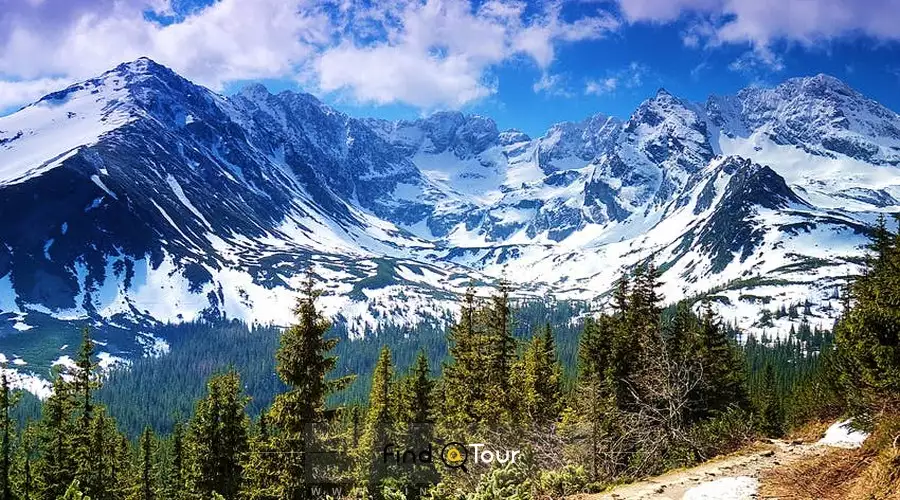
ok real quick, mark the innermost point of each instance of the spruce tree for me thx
(304, 364)
(25, 487)
(499, 405)
(84, 383)
(218, 435)
(146, 487)
(771, 412)
(261, 479)
(722, 385)
(56, 466)
(867, 336)
(464, 383)
(542, 394)
(417, 415)
(379, 424)
(421, 387)
(7, 434)
(592, 419)
(177, 482)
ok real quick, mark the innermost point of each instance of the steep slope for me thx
(838, 146)
(137, 198)
(180, 204)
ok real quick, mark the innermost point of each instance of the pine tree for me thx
(771, 412)
(421, 387)
(680, 338)
(542, 374)
(179, 463)
(260, 477)
(464, 383)
(303, 363)
(591, 421)
(416, 415)
(101, 430)
(867, 336)
(146, 487)
(25, 487)
(84, 382)
(499, 405)
(7, 434)
(218, 436)
(379, 424)
(56, 466)
(722, 384)
(121, 473)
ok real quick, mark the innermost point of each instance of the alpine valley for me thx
(137, 199)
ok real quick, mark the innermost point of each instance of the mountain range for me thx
(138, 198)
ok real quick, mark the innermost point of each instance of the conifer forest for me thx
(641, 388)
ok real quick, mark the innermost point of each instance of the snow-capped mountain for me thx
(138, 197)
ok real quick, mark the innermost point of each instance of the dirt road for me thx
(733, 477)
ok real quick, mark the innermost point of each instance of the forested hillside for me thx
(648, 389)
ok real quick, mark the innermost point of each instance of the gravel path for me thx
(733, 477)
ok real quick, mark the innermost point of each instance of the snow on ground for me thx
(727, 488)
(153, 346)
(179, 193)
(840, 435)
(107, 361)
(41, 136)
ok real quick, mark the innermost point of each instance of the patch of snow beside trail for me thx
(727, 488)
(840, 435)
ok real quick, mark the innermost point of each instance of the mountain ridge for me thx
(138, 197)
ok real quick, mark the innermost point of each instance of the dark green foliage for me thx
(867, 337)
(155, 391)
(217, 438)
(146, 487)
(539, 377)
(56, 468)
(380, 424)
(646, 387)
(304, 363)
(6, 435)
(770, 405)
(651, 388)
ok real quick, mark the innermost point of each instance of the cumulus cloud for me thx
(229, 39)
(427, 53)
(13, 93)
(760, 22)
(440, 52)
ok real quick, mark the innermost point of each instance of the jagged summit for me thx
(147, 199)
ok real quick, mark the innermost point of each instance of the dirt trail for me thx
(673, 485)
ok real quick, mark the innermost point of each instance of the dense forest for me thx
(637, 390)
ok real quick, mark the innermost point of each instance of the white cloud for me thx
(547, 83)
(14, 93)
(230, 39)
(441, 52)
(427, 53)
(629, 77)
(761, 22)
(760, 58)
(601, 87)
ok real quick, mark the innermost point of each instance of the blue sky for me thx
(527, 65)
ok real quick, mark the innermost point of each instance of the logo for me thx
(454, 455)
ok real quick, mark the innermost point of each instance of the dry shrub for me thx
(881, 480)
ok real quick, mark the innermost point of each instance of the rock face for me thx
(138, 197)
